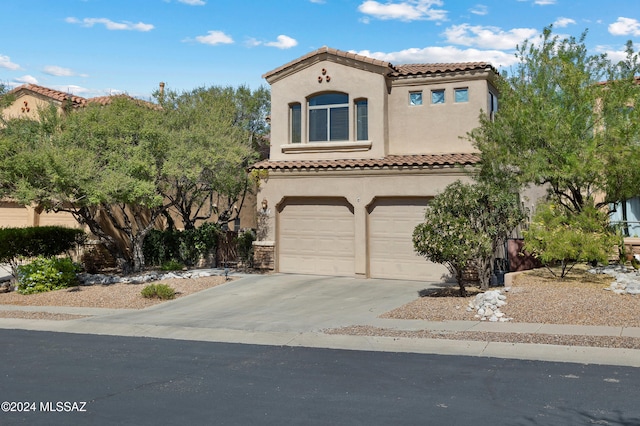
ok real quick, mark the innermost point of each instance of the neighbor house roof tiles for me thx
(430, 160)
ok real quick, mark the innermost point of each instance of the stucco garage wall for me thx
(360, 189)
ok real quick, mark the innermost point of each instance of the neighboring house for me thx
(28, 99)
(358, 147)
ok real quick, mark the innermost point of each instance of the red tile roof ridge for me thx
(52, 93)
(411, 69)
(331, 51)
(388, 161)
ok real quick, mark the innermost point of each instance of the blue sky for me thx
(100, 47)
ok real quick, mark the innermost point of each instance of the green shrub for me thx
(46, 241)
(46, 274)
(185, 246)
(245, 247)
(159, 291)
(172, 265)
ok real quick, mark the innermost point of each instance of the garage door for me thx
(390, 230)
(13, 215)
(316, 236)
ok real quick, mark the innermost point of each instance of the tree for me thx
(118, 168)
(557, 235)
(463, 227)
(102, 164)
(214, 134)
(558, 125)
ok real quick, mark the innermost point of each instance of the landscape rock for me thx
(91, 279)
(487, 306)
(627, 280)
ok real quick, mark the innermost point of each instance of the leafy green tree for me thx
(558, 235)
(558, 125)
(463, 227)
(214, 134)
(102, 164)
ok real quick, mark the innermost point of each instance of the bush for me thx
(46, 241)
(186, 247)
(46, 274)
(245, 247)
(172, 265)
(159, 291)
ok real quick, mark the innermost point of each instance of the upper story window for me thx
(437, 96)
(329, 117)
(415, 98)
(362, 120)
(295, 118)
(461, 95)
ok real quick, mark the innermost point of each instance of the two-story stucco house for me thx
(358, 147)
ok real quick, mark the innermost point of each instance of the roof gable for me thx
(363, 62)
(328, 54)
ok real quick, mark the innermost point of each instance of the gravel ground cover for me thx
(534, 297)
(113, 296)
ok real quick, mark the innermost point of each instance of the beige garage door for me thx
(13, 215)
(390, 230)
(316, 236)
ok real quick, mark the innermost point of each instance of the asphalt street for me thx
(83, 379)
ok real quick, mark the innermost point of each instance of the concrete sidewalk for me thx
(293, 310)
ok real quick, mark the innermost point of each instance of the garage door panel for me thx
(391, 253)
(317, 237)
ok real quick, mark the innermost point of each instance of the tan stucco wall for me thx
(435, 128)
(359, 188)
(300, 86)
(18, 109)
(395, 127)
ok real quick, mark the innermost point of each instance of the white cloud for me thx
(479, 9)
(111, 25)
(625, 26)
(283, 42)
(446, 54)
(544, 2)
(407, 10)
(5, 62)
(563, 22)
(611, 52)
(60, 71)
(318, 1)
(214, 37)
(193, 2)
(26, 79)
(487, 37)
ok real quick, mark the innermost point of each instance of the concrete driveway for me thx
(278, 303)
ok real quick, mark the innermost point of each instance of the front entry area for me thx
(316, 236)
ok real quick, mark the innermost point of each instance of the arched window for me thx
(329, 117)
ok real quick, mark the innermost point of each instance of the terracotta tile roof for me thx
(431, 160)
(77, 101)
(329, 51)
(419, 69)
(394, 70)
(53, 94)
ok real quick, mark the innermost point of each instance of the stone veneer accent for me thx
(264, 255)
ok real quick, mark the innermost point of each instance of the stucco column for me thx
(360, 231)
